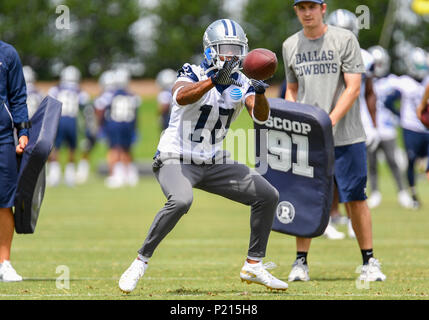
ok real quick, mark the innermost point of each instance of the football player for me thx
(416, 135)
(387, 122)
(119, 109)
(34, 96)
(69, 93)
(165, 80)
(206, 99)
(107, 85)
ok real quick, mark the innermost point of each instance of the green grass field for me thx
(95, 232)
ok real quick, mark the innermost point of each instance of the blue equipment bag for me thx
(295, 149)
(31, 177)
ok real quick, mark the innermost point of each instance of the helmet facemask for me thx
(223, 40)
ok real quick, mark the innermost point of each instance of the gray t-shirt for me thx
(318, 66)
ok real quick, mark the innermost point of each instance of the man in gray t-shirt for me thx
(323, 67)
(318, 66)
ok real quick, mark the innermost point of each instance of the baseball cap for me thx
(315, 1)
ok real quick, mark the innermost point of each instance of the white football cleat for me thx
(82, 171)
(374, 199)
(257, 273)
(132, 175)
(350, 231)
(333, 234)
(118, 177)
(372, 271)
(8, 273)
(299, 272)
(53, 177)
(339, 220)
(132, 275)
(70, 174)
(405, 199)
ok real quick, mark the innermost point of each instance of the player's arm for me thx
(185, 93)
(190, 92)
(371, 100)
(257, 104)
(423, 103)
(292, 91)
(347, 98)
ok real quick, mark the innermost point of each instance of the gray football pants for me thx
(233, 181)
(388, 147)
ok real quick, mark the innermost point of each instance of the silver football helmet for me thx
(107, 80)
(166, 78)
(417, 63)
(344, 19)
(70, 74)
(382, 61)
(29, 74)
(122, 78)
(223, 39)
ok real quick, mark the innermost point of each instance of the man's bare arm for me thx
(258, 106)
(292, 91)
(191, 92)
(347, 98)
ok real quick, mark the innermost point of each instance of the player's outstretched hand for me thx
(223, 76)
(259, 85)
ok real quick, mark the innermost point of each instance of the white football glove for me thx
(372, 139)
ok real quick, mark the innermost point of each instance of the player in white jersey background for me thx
(117, 108)
(416, 135)
(69, 93)
(34, 96)
(387, 123)
(206, 99)
(165, 80)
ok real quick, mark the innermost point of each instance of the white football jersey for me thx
(368, 61)
(71, 97)
(387, 121)
(34, 98)
(196, 131)
(411, 96)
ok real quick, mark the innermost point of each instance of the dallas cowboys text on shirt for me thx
(314, 62)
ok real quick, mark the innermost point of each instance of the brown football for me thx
(260, 64)
(425, 116)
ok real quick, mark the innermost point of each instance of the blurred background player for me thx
(387, 123)
(119, 112)
(165, 80)
(34, 96)
(73, 98)
(416, 135)
(107, 85)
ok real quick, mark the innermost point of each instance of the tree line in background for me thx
(152, 35)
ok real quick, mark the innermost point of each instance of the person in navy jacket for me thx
(13, 116)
